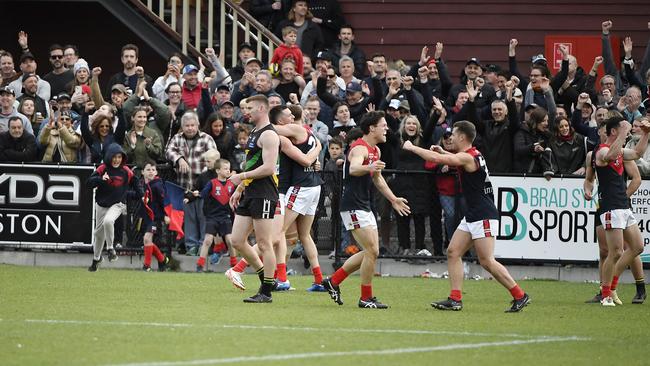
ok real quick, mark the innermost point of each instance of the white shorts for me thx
(357, 219)
(303, 200)
(617, 219)
(480, 229)
(279, 207)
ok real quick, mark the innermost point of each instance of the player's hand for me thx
(376, 166)
(167, 220)
(437, 148)
(401, 206)
(588, 195)
(236, 179)
(408, 145)
(234, 199)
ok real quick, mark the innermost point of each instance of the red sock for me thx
(339, 276)
(517, 292)
(233, 261)
(318, 275)
(240, 266)
(614, 283)
(156, 251)
(456, 295)
(221, 247)
(282, 272)
(366, 292)
(201, 262)
(607, 291)
(148, 249)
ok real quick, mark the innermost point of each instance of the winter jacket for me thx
(412, 186)
(526, 160)
(139, 153)
(120, 181)
(63, 139)
(22, 149)
(357, 55)
(568, 156)
(357, 110)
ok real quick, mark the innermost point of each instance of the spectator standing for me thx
(532, 152)
(128, 76)
(329, 18)
(16, 145)
(59, 140)
(100, 134)
(172, 75)
(28, 66)
(310, 38)
(346, 47)
(223, 137)
(289, 82)
(142, 143)
(269, 12)
(184, 153)
(30, 86)
(245, 53)
(568, 149)
(70, 55)
(60, 76)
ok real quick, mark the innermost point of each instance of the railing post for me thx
(222, 33)
(149, 4)
(161, 10)
(186, 25)
(234, 38)
(211, 24)
(259, 43)
(197, 26)
(174, 16)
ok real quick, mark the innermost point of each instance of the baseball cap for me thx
(190, 68)
(254, 59)
(531, 106)
(63, 95)
(394, 103)
(323, 55)
(27, 76)
(118, 87)
(474, 61)
(222, 87)
(353, 86)
(227, 102)
(404, 104)
(538, 59)
(7, 89)
(447, 132)
(245, 45)
(26, 56)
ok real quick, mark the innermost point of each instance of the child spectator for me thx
(153, 214)
(287, 49)
(216, 207)
(333, 166)
(238, 156)
(112, 180)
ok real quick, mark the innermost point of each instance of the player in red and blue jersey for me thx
(480, 225)
(153, 215)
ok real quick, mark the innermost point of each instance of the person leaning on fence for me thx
(153, 215)
(113, 180)
(17, 145)
(184, 152)
(59, 140)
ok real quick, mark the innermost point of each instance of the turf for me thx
(68, 316)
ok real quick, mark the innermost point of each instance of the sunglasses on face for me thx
(65, 119)
(56, 57)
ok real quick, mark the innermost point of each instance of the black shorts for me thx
(257, 208)
(151, 226)
(221, 227)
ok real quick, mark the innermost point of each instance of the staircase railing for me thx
(234, 24)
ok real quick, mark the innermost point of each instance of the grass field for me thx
(68, 316)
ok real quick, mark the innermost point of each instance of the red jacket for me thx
(191, 97)
(283, 51)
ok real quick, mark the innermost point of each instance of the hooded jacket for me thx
(114, 189)
(63, 139)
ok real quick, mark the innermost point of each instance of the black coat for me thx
(414, 187)
(22, 149)
(568, 156)
(526, 160)
(312, 38)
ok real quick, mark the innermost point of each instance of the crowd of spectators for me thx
(534, 123)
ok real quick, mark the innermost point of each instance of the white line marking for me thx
(395, 351)
(278, 327)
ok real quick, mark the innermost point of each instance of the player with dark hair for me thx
(481, 224)
(153, 215)
(362, 168)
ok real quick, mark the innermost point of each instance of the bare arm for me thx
(459, 159)
(590, 176)
(355, 159)
(635, 177)
(270, 143)
(298, 156)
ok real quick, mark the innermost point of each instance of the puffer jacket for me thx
(63, 139)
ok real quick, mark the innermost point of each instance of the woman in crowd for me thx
(59, 140)
(532, 151)
(28, 108)
(142, 143)
(343, 122)
(568, 149)
(411, 187)
(100, 134)
(176, 108)
(223, 137)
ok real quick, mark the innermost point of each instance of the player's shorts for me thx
(279, 207)
(357, 219)
(597, 219)
(617, 219)
(303, 200)
(151, 226)
(257, 208)
(221, 227)
(480, 229)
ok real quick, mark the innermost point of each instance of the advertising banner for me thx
(45, 205)
(543, 219)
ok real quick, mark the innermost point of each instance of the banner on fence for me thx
(45, 205)
(543, 219)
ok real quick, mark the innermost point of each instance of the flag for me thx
(174, 208)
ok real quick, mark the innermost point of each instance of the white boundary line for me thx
(353, 353)
(278, 327)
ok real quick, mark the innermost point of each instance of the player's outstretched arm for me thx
(434, 155)
(633, 172)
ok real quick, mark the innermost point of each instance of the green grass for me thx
(202, 317)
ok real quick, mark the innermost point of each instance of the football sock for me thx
(607, 291)
(159, 255)
(148, 249)
(240, 266)
(318, 275)
(260, 274)
(233, 261)
(614, 283)
(517, 292)
(201, 262)
(456, 295)
(640, 285)
(366, 292)
(267, 285)
(218, 248)
(282, 272)
(339, 276)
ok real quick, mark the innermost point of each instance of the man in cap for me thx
(28, 66)
(245, 53)
(119, 94)
(246, 87)
(191, 89)
(30, 87)
(60, 76)
(472, 71)
(8, 110)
